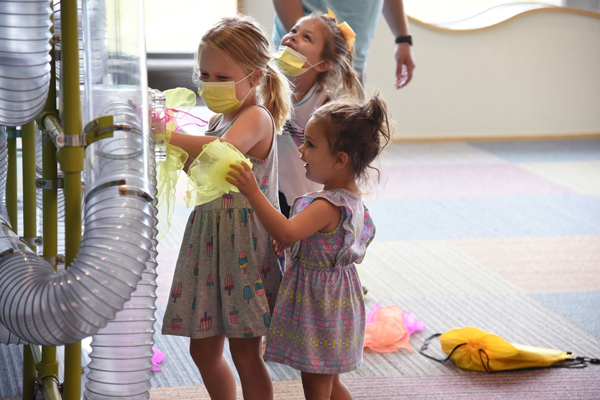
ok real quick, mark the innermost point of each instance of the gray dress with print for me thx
(227, 276)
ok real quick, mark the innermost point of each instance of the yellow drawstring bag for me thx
(208, 171)
(476, 350)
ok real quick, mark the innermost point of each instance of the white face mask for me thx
(291, 62)
(220, 97)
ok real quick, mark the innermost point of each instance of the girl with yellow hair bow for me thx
(317, 56)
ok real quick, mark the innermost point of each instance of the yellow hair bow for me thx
(347, 32)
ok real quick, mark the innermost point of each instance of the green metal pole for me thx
(29, 194)
(46, 374)
(71, 161)
(29, 231)
(48, 366)
(28, 374)
(11, 183)
(50, 172)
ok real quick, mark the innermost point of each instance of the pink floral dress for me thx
(318, 323)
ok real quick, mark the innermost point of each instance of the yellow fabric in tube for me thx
(180, 98)
(208, 171)
(168, 171)
(481, 345)
(167, 174)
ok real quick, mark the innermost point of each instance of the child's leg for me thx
(317, 386)
(339, 391)
(324, 387)
(215, 371)
(255, 379)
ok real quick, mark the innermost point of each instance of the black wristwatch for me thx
(404, 39)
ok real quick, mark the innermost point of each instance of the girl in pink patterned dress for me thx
(319, 318)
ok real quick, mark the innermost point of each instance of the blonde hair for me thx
(359, 130)
(341, 77)
(242, 40)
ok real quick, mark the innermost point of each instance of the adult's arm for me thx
(288, 11)
(393, 10)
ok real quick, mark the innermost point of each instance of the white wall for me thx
(535, 75)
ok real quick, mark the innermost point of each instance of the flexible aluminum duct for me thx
(24, 60)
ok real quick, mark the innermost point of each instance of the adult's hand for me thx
(405, 64)
(393, 11)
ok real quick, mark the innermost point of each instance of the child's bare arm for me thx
(321, 215)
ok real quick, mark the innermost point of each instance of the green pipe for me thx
(28, 374)
(47, 372)
(29, 191)
(11, 184)
(71, 162)
(50, 170)
(29, 231)
(51, 390)
(48, 367)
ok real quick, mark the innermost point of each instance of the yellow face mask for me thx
(220, 97)
(291, 62)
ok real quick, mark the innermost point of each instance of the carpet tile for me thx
(444, 153)
(543, 150)
(472, 217)
(582, 177)
(467, 180)
(580, 307)
(540, 264)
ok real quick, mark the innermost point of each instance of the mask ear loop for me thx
(309, 68)
(249, 90)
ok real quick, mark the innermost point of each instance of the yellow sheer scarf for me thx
(167, 172)
(206, 174)
(208, 171)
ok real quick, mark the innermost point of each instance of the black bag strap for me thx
(577, 362)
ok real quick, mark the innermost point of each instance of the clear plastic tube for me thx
(114, 227)
(24, 60)
(115, 80)
(95, 295)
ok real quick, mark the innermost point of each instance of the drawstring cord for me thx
(577, 362)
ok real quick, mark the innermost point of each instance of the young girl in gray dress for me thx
(227, 275)
(319, 319)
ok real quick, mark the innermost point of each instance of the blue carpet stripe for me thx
(545, 151)
(581, 308)
(483, 217)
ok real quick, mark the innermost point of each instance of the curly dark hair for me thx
(359, 130)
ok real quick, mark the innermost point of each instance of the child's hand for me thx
(279, 248)
(242, 178)
(158, 125)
